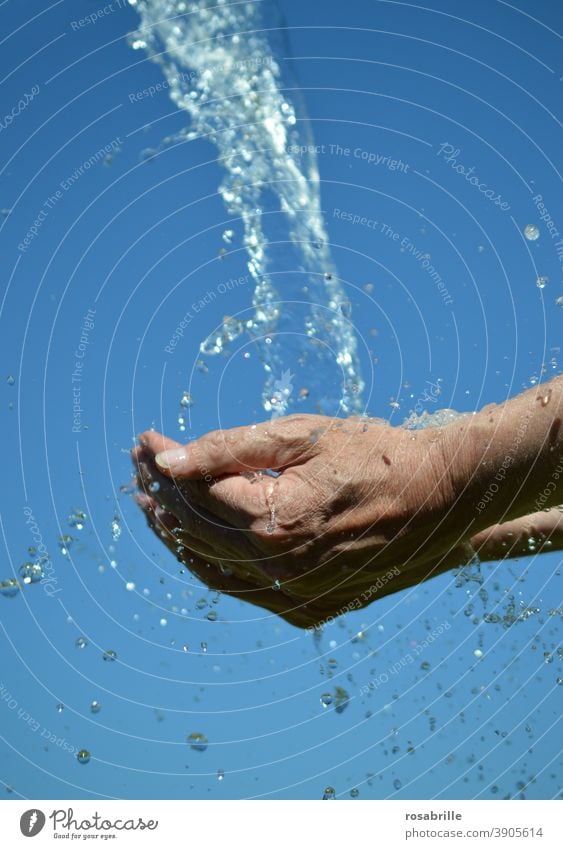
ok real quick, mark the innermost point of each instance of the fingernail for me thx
(172, 460)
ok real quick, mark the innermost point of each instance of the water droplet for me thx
(326, 700)
(130, 586)
(203, 647)
(397, 784)
(341, 699)
(95, 706)
(163, 622)
(541, 282)
(559, 301)
(10, 380)
(478, 653)
(212, 616)
(115, 528)
(425, 665)
(217, 341)
(31, 573)
(531, 232)
(148, 154)
(186, 400)
(154, 486)
(491, 617)
(330, 793)
(9, 588)
(197, 741)
(64, 544)
(81, 643)
(77, 519)
(60, 708)
(228, 236)
(109, 655)
(83, 756)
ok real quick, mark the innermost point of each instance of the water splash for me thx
(223, 71)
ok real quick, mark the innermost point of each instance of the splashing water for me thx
(226, 75)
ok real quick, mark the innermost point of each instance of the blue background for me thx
(138, 242)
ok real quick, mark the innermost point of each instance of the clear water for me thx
(450, 689)
(227, 76)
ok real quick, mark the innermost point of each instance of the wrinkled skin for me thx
(358, 510)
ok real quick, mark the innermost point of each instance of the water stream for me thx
(224, 67)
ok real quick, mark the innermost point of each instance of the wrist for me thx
(503, 461)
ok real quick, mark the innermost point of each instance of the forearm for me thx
(507, 460)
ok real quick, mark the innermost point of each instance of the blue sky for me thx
(111, 256)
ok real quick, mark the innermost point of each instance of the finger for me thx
(234, 499)
(269, 445)
(210, 536)
(521, 537)
(298, 613)
(203, 560)
(184, 547)
(219, 577)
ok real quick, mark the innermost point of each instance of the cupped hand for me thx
(307, 516)
(304, 515)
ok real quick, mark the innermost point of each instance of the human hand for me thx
(358, 509)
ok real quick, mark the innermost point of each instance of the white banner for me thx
(279, 824)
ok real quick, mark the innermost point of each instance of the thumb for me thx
(270, 445)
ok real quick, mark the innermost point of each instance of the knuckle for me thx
(211, 451)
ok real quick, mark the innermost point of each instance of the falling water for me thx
(225, 70)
